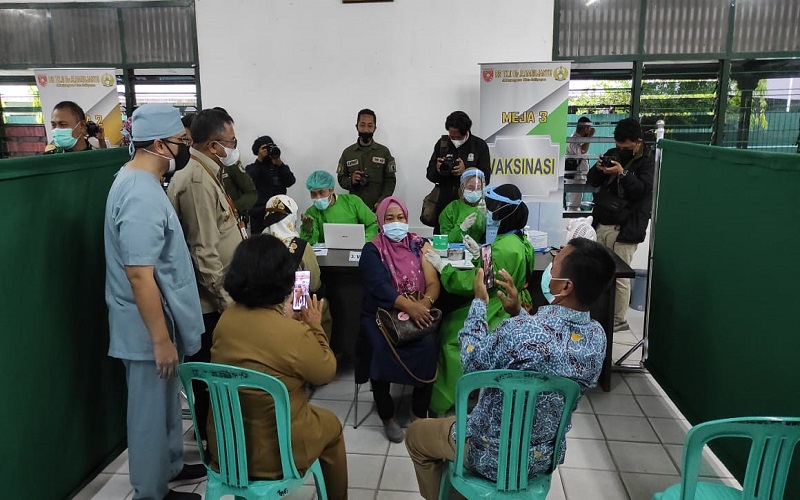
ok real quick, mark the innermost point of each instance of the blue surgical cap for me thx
(155, 121)
(319, 179)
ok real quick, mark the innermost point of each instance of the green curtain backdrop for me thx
(63, 398)
(724, 335)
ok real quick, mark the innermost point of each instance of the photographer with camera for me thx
(455, 152)
(271, 177)
(579, 167)
(71, 130)
(367, 169)
(623, 205)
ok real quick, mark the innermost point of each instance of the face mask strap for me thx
(490, 193)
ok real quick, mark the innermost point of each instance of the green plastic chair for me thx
(224, 383)
(519, 388)
(773, 443)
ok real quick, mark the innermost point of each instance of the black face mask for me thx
(365, 136)
(625, 156)
(182, 158)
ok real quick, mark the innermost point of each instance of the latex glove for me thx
(435, 259)
(468, 222)
(307, 222)
(472, 247)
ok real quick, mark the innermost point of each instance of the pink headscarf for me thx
(404, 257)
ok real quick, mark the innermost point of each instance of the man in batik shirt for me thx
(560, 339)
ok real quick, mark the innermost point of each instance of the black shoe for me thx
(182, 495)
(190, 474)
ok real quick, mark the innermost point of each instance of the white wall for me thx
(300, 70)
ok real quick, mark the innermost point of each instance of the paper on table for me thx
(461, 264)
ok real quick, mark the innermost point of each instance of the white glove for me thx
(435, 259)
(468, 222)
(472, 247)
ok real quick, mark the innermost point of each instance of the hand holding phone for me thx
(487, 266)
(302, 281)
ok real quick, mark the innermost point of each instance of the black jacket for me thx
(449, 184)
(635, 190)
(269, 180)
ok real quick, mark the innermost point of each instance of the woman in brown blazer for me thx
(259, 331)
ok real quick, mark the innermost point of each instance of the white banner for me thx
(94, 90)
(524, 121)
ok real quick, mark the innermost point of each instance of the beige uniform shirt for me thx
(209, 227)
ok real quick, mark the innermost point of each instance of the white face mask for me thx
(460, 142)
(232, 156)
(171, 160)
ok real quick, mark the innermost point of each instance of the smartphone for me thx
(302, 281)
(486, 265)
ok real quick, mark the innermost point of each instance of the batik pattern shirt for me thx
(556, 341)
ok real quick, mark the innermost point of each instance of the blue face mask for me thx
(546, 278)
(472, 196)
(395, 231)
(62, 137)
(322, 203)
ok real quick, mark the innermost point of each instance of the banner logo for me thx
(560, 74)
(488, 74)
(42, 79)
(108, 80)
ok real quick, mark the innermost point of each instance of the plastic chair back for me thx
(773, 443)
(224, 383)
(520, 390)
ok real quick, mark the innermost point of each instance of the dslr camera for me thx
(448, 163)
(273, 150)
(92, 129)
(364, 180)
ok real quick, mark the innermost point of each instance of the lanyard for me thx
(239, 223)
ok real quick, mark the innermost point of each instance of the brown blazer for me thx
(264, 340)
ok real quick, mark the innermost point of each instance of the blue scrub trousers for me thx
(155, 432)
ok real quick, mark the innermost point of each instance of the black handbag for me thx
(399, 329)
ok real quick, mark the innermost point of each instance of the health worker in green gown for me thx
(512, 252)
(466, 215)
(332, 208)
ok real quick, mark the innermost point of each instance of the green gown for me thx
(509, 252)
(348, 209)
(454, 214)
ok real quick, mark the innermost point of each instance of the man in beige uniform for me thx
(210, 224)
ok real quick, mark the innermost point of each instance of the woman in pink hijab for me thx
(392, 265)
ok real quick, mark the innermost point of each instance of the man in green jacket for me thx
(331, 208)
(367, 169)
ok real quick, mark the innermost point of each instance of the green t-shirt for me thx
(346, 209)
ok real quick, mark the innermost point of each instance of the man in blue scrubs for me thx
(153, 305)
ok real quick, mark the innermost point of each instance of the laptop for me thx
(344, 236)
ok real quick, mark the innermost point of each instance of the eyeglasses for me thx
(184, 140)
(234, 141)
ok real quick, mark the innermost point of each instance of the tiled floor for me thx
(625, 444)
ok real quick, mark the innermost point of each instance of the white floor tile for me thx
(656, 406)
(642, 457)
(556, 488)
(582, 484)
(339, 408)
(584, 406)
(619, 428)
(365, 416)
(587, 454)
(398, 449)
(107, 487)
(397, 495)
(642, 384)
(338, 390)
(643, 486)
(614, 404)
(670, 430)
(618, 386)
(366, 440)
(706, 469)
(364, 471)
(361, 494)
(584, 425)
(398, 475)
